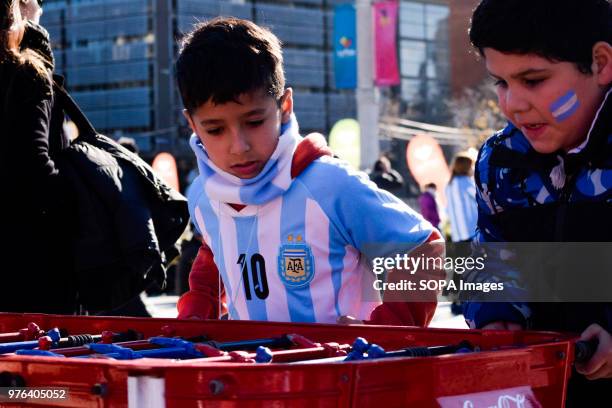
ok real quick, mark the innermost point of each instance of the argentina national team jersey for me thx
(296, 258)
(295, 252)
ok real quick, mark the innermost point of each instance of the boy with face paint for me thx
(547, 176)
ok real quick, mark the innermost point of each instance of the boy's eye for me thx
(214, 131)
(500, 82)
(533, 82)
(255, 123)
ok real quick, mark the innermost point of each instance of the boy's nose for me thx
(515, 102)
(239, 143)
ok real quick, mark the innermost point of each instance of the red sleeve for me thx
(202, 299)
(400, 312)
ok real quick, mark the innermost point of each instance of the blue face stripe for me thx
(246, 237)
(569, 113)
(212, 228)
(562, 100)
(560, 109)
(299, 299)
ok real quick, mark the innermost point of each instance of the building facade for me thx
(118, 58)
(424, 59)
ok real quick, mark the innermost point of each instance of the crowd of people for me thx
(283, 230)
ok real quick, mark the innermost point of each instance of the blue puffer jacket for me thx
(525, 196)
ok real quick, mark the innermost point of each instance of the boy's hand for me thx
(348, 320)
(600, 365)
(502, 326)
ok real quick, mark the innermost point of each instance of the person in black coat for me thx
(35, 265)
(385, 176)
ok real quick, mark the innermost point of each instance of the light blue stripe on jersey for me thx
(246, 237)
(293, 213)
(212, 228)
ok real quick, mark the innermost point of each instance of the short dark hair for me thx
(559, 30)
(226, 57)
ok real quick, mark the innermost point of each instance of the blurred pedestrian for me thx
(461, 199)
(428, 204)
(462, 213)
(385, 176)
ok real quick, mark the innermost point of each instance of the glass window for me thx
(438, 62)
(412, 19)
(413, 90)
(412, 57)
(436, 90)
(436, 21)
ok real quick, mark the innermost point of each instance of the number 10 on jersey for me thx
(257, 266)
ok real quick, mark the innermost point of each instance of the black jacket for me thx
(35, 267)
(127, 217)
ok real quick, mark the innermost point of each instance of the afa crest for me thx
(295, 262)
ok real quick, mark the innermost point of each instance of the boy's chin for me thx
(544, 148)
(544, 145)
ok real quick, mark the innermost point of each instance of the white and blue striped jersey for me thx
(462, 208)
(300, 256)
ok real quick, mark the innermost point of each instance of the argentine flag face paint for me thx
(565, 106)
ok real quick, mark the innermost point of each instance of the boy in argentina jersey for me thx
(285, 225)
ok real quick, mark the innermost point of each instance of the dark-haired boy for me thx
(547, 176)
(284, 224)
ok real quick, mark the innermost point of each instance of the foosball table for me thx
(82, 361)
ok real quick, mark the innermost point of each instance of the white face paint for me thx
(565, 106)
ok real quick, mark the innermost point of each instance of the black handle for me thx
(584, 350)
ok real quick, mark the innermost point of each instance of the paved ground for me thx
(165, 306)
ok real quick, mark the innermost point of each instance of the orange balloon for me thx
(426, 162)
(165, 167)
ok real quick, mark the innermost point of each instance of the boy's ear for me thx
(286, 105)
(189, 120)
(602, 62)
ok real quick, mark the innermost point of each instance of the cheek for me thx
(565, 106)
(501, 99)
(213, 147)
(271, 138)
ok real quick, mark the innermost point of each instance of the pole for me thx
(367, 95)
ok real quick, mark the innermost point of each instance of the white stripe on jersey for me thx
(211, 184)
(357, 295)
(321, 288)
(369, 297)
(229, 241)
(268, 238)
